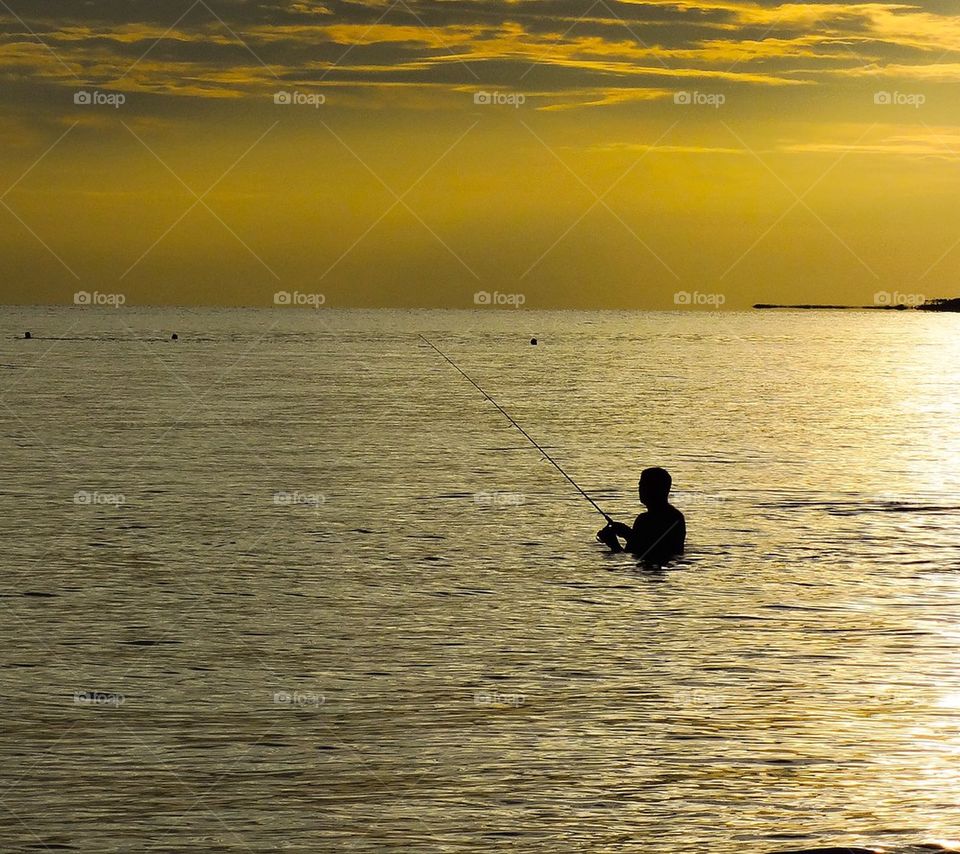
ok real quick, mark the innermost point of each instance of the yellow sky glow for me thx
(786, 153)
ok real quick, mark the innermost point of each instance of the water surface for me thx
(332, 600)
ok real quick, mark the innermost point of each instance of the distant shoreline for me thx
(948, 305)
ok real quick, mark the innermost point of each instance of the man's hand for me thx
(608, 536)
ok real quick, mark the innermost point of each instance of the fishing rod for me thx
(509, 418)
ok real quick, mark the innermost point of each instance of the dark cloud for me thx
(229, 48)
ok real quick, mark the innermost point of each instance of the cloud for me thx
(245, 50)
(914, 147)
(938, 72)
(638, 148)
(904, 141)
(578, 98)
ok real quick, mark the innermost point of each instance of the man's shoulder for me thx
(667, 512)
(674, 512)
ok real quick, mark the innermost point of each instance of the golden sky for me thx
(580, 154)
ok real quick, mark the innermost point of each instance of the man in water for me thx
(657, 535)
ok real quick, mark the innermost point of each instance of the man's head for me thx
(654, 486)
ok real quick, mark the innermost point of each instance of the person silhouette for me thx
(659, 534)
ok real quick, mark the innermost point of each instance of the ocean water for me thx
(290, 582)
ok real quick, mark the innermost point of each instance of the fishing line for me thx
(529, 438)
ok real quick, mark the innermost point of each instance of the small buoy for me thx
(27, 336)
(174, 337)
(533, 341)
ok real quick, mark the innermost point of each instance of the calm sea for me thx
(291, 582)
